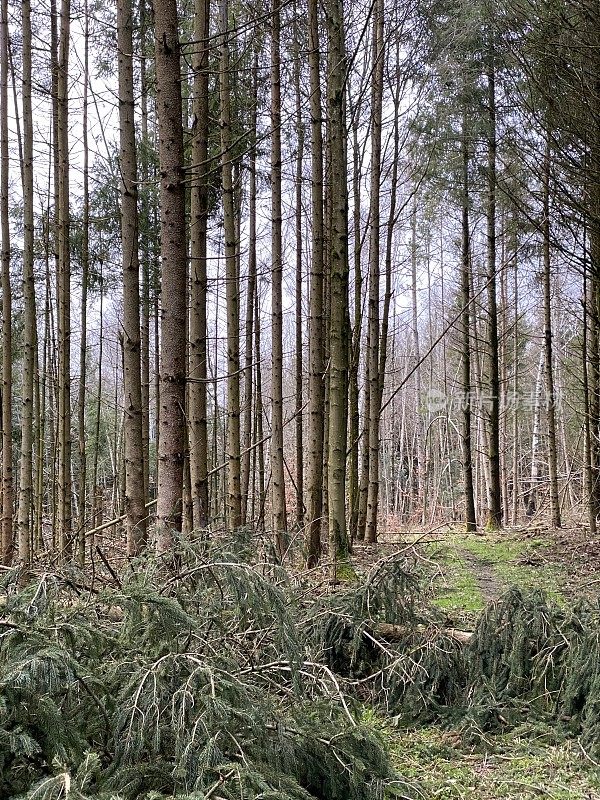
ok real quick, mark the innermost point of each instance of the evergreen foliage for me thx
(228, 680)
(526, 656)
(195, 685)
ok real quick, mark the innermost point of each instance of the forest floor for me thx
(465, 572)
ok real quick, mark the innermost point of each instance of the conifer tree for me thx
(234, 499)
(135, 500)
(338, 275)
(63, 222)
(171, 420)
(26, 493)
(316, 394)
(7, 449)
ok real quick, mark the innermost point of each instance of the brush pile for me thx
(196, 684)
(526, 657)
(229, 679)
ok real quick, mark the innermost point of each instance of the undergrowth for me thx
(528, 658)
(200, 684)
(227, 679)
(529, 762)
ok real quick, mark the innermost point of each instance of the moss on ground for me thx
(476, 569)
(345, 572)
(520, 765)
(508, 556)
(458, 589)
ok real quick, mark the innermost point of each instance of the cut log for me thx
(396, 632)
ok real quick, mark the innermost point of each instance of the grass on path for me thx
(517, 766)
(476, 569)
(532, 761)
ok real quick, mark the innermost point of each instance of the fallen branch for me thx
(397, 632)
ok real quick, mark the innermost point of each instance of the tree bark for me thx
(416, 342)
(248, 423)
(465, 329)
(548, 346)
(316, 392)
(278, 505)
(390, 227)
(587, 339)
(494, 514)
(299, 400)
(145, 251)
(338, 266)
(354, 392)
(30, 319)
(516, 386)
(64, 510)
(234, 499)
(171, 420)
(7, 450)
(85, 265)
(258, 417)
(198, 429)
(536, 440)
(374, 271)
(135, 500)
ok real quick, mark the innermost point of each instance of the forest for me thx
(300, 405)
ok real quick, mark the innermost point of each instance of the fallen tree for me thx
(191, 686)
(231, 679)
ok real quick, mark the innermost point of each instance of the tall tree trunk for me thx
(316, 354)
(416, 342)
(247, 426)
(135, 500)
(30, 319)
(465, 329)
(7, 470)
(593, 371)
(374, 271)
(536, 440)
(592, 191)
(391, 224)
(278, 506)
(49, 365)
(258, 417)
(515, 414)
(587, 345)
(234, 499)
(85, 264)
(354, 394)
(52, 239)
(198, 429)
(145, 252)
(338, 265)
(494, 514)
(64, 511)
(299, 404)
(363, 489)
(548, 347)
(96, 511)
(171, 420)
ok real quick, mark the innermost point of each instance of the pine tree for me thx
(171, 418)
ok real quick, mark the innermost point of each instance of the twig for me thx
(219, 783)
(587, 755)
(96, 700)
(114, 575)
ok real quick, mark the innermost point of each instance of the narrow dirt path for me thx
(483, 571)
